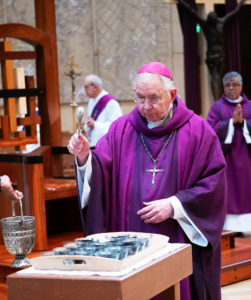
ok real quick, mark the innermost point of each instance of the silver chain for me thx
(147, 150)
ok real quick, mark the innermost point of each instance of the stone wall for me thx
(112, 38)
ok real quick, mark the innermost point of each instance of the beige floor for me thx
(237, 291)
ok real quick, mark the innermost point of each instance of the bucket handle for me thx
(21, 208)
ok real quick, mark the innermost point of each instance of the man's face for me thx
(232, 88)
(90, 89)
(152, 100)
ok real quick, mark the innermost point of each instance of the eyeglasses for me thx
(150, 100)
(86, 86)
(234, 85)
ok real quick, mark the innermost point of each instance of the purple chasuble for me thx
(194, 171)
(100, 105)
(237, 154)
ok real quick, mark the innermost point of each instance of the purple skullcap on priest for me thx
(156, 67)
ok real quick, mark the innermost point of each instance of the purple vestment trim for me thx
(100, 105)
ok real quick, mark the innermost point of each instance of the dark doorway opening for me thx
(245, 38)
(245, 43)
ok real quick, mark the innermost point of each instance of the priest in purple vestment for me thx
(160, 169)
(230, 117)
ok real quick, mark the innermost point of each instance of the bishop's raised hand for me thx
(80, 147)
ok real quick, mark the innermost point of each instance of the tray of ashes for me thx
(112, 251)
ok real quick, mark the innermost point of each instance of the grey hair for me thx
(231, 75)
(94, 79)
(167, 83)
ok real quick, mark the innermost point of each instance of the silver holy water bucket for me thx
(19, 236)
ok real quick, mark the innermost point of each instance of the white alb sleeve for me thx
(191, 230)
(230, 132)
(84, 177)
(246, 133)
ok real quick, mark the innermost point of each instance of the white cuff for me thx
(230, 132)
(246, 134)
(177, 207)
(82, 168)
(191, 230)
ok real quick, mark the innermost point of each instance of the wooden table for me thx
(161, 275)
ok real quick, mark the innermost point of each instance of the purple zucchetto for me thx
(156, 67)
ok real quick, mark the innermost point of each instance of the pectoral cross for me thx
(154, 171)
